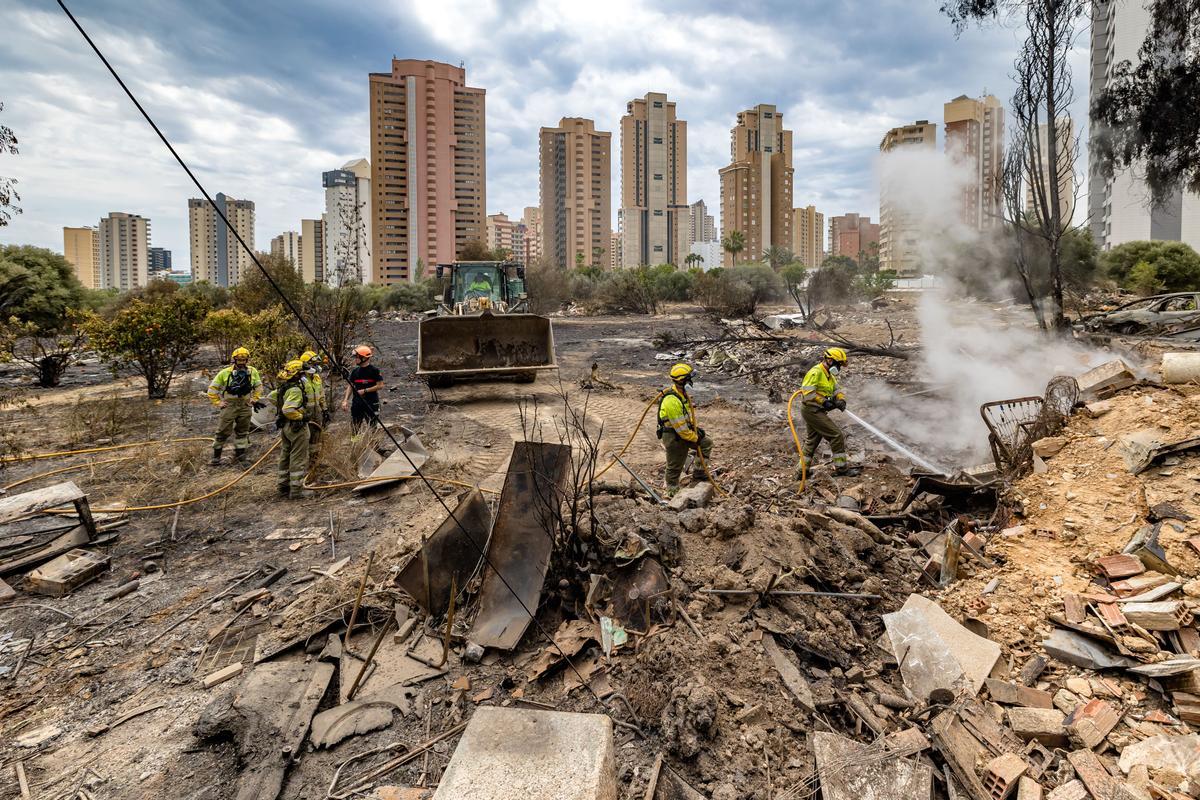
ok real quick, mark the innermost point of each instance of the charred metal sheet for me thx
(450, 556)
(638, 590)
(521, 543)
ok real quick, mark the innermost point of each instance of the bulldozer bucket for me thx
(487, 345)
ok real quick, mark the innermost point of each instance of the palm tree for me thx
(693, 260)
(778, 257)
(734, 243)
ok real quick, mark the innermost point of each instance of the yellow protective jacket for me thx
(294, 404)
(220, 382)
(675, 412)
(820, 386)
(316, 391)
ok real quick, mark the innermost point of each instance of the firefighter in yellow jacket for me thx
(821, 394)
(234, 390)
(678, 430)
(293, 410)
(315, 388)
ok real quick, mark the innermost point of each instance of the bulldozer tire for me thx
(440, 381)
(525, 377)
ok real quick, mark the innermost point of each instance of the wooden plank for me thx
(961, 752)
(71, 539)
(63, 575)
(26, 504)
(792, 679)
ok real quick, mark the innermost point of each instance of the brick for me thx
(1029, 789)
(1111, 614)
(1073, 790)
(1120, 565)
(1096, 779)
(1074, 608)
(1010, 694)
(1167, 615)
(1042, 724)
(222, 675)
(1139, 584)
(1091, 723)
(533, 755)
(1001, 775)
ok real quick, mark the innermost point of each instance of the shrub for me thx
(874, 284)
(1176, 265)
(629, 291)
(48, 352)
(253, 293)
(1143, 279)
(720, 292)
(155, 337)
(37, 285)
(227, 329)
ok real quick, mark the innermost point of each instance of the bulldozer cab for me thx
(476, 286)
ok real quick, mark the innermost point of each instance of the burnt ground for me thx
(112, 657)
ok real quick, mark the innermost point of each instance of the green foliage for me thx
(870, 285)
(48, 352)
(632, 291)
(1176, 265)
(420, 296)
(833, 282)
(156, 337)
(214, 296)
(778, 257)
(275, 340)
(737, 291)
(475, 250)
(37, 285)
(1143, 279)
(733, 243)
(253, 293)
(228, 329)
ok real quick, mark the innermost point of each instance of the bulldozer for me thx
(482, 327)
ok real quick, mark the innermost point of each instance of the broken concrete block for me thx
(693, 520)
(1089, 724)
(1029, 789)
(222, 675)
(692, 497)
(1049, 446)
(870, 777)
(1066, 701)
(935, 651)
(350, 719)
(1010, 694)
(1043, 724)
(1099, 408)
(533, 755)
(1072, 790)
(1166, 615)
(1107, 378)
(1175, 754)
(1001, 775)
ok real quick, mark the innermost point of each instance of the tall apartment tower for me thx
(428, 170)
(531, 218)
(576, 192)
(615, 255)
(756, 188)
(312, 250)
(898, 232)
(287, 244)
(124, 251)
(852, 234)
(81, 248)
(1119, 207)
(653, 182)
(701, 226)
(215, 253)
(808, 236)
(160, 260)
(1037, 182)
(975, 139)
(348, 227)
(507, 235)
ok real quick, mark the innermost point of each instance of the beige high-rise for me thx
(756, 188)
(287, 244)
(701, 225)
(504, 234)
(898, 233)
(312, 250)
(576, 192)
(216, 255)
(975, 139)
(81, 248)
(1037, 182)
(428, 170)
(124, 251)
(616, 256)
(808, 236)
(531, 219)
(654, 207)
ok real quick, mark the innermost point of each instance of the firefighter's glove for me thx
(840, 403)
(828, 405)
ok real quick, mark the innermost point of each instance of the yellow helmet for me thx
(836, 354)
(309, 355)
(681, 372)
(241, 352)
(291, 369)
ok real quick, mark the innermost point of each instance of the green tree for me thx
(870, 285)
(1175, 264)
(228, 329)
(777, 257)
(154, 337)
(37, 285)
(8, 192)
(213, 296)
(475, 250)
(1143, 279)
(274, 341)
(253, 293)
(48, 352)
(733, 243)
(794, 276)
(420, 296)
(579, 261)
(693, 260)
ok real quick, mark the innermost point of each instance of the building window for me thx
(658, 140)
(658, 103)
(658, 176)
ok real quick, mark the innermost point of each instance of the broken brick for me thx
(1010, 694)
(1120, 565)
(1089, 724)
(1072, 790)
(1001, 775)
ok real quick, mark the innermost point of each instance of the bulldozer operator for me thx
(480, 286)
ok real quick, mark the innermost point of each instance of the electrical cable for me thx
(342, 370)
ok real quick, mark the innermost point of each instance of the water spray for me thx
(895, 445)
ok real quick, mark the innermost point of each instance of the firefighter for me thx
(821, 395)
(292, 413)
(678, 430)
(234, 390)
(316, 395)
(362, 392)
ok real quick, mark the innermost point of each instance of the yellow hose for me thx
(36, 456)
(61, 470)
(796, 439)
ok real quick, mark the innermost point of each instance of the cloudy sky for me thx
(261, 97)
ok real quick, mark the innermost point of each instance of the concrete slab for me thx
(532, 755)
(936, 652)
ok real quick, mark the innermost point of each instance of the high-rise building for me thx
(160, 261)
(576, 192)
(653, 182)
(428, 170)
(701, 226)
(312, 250)
(1037, 182)
(975, 140)
(1119, 207)
(503, 234)
(348, 227)
(216, 255)
(287, 244)
(808, 236)
(124, 251)
(851, 235)
(531, 220)
(710, 254)
(756, 188)
(81, 248)
(615, 251)
(899, 236)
